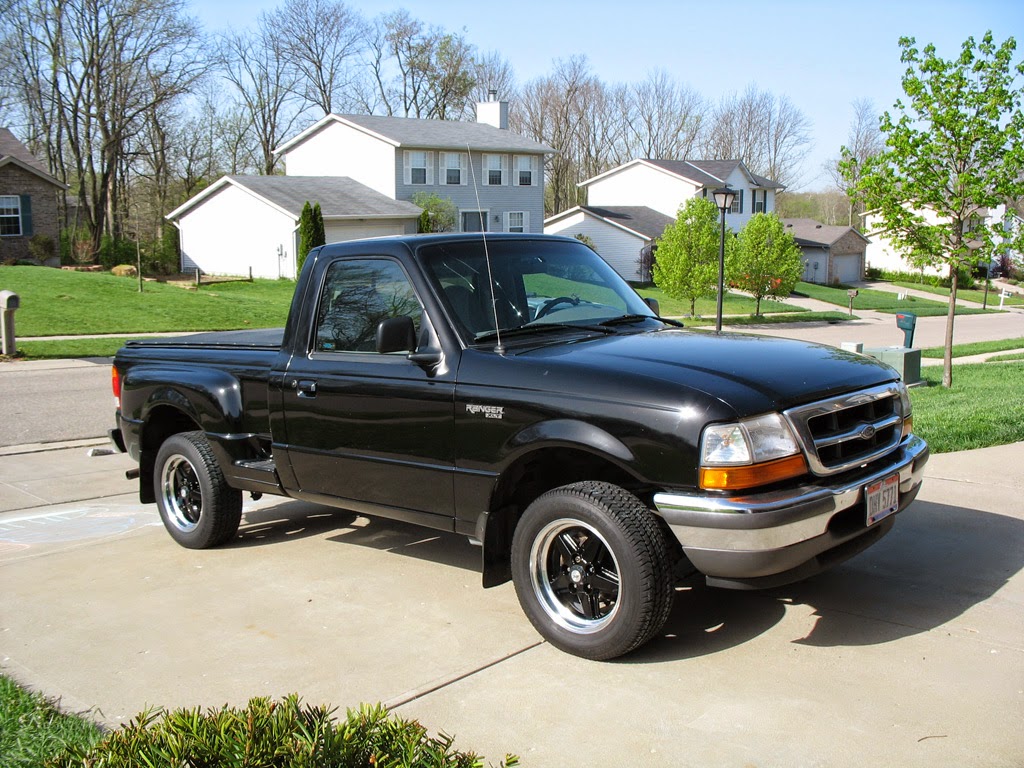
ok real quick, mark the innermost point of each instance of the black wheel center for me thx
(578, 575)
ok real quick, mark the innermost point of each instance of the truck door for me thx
(364, 426)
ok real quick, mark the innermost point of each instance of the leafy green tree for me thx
(687, 262)
(954, 150)
(766, 260)
(439, 213)
(307, 234)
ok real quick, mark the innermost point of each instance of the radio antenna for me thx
(499, 347)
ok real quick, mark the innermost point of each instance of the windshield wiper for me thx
(627, 319)
(529, 329)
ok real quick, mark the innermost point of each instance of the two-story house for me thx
(28, 201)
(365, 170)
(629, 206)
(883, 254)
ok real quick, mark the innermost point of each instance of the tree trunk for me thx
(947, 356)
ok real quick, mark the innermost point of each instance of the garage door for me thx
(339, 232)
(846, 269)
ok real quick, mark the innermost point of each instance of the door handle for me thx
(306, 387)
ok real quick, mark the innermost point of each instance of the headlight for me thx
(749, 453)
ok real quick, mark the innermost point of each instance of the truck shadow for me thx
(936, 564)
(289, 520)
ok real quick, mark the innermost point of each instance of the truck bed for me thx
(257, 338)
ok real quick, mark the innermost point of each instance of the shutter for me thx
(407, 167)
(741, 201)
(505, 173)
(506, 222)
(442, 171)
(430, 167)
(485, 168)
(26, 215)
(526, 221)
(464, 168)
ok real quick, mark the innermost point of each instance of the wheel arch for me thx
(538, 468)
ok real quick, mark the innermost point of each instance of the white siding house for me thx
(664, 185)
(251, 222)
(619, 234)
(883, 254)
(364, 170)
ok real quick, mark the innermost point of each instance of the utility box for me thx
(907, 362)
(907, 322)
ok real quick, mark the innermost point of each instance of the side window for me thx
(356, 296)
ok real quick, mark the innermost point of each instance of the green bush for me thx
(271, 734)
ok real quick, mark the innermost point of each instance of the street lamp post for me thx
(723, 199)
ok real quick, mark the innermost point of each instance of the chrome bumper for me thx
(767, 534)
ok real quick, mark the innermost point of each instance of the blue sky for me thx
(822, 54)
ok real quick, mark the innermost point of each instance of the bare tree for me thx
(323, 43)
(257, 65)
(863, 142)
(92, 70)
(768, 133)
(663, 118)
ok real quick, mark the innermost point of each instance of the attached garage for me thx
(831, 254)
(251, 222)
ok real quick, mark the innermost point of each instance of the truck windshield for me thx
(535, 283)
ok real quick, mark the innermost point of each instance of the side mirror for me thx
(396, 334)
(653, 304)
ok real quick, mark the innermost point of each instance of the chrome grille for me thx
(847, 431)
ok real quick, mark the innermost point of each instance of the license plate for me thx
(883, 498)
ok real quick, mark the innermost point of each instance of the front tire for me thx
(198, 508)
(592, 570)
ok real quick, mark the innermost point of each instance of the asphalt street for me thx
(56, 400)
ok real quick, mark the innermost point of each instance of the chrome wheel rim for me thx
(575, 576)
(182, 493)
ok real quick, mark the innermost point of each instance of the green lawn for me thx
(32, 729)
(56, 302)
(880, 301)
(972, 294)
(731, 305)
(984, 407)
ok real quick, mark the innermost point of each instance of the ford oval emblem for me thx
(867, 432)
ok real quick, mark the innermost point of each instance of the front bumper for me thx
(768, 539)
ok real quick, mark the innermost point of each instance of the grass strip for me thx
(33, 729)
(967, 294)
(803, 317)
(881, 301)
(976, 348)
(985, 406)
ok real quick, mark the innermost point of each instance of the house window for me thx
(516, 221)
(453, 167)
(10, 215)
(737, 203)
(525, 174)
(759, 205)
(494, 170)
(419, 167)
(474, 221)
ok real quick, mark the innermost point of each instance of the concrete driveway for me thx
(911, 654)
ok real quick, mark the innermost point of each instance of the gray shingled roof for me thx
(710, 172)
(11, 147)
(446, 134)
(337, 195)
(639, 218)
(811, 232)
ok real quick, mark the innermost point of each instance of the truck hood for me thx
(749, 373)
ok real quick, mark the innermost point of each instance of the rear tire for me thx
(592, 570)
(198, 508)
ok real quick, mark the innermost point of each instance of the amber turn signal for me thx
(752, 475)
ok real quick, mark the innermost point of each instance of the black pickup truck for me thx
(516, 390)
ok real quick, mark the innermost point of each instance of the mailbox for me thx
(907, 322)
(9, 301)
